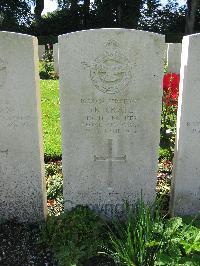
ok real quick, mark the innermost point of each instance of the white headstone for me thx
(56, 57)
(41, 51)
(110, 111)
(185, 198)
(165, 52)
(174, 57)
(22, 181)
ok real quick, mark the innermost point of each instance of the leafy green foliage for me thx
(147, 239)
(144, 238)
(51, 119)
(150, 15)
(134, 242)
(180, 244)
(53, 173)
(73, 15)
(54, 187)
(163, 186)
(15, 15)
(46, 66)
(168, 132)
(169, 18)
(74, 236)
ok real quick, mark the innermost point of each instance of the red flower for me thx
(171, 88)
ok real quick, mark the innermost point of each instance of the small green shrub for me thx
(74, 236)
(147, 239)
(54, 186)
(46, 66)
(180, 244)
(144, 238)
(168, 132)
(53, 168)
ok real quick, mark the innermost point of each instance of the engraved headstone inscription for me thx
(22, 184)
(185, 197)
(110, 116)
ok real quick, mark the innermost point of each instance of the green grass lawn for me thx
(51, 119)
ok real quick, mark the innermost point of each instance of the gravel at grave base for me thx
(19, 246)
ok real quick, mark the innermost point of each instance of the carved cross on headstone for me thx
(110, 159)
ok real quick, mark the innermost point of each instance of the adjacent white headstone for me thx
(165, 52)
(110, 110)
(41, 51)
(56, 57)
(174, 57)
(185, 198)
(21, 157)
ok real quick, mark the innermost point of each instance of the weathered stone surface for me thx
(165, 52)
(56, 58)
(174, 57)
(21, 157)
(110, 82)
(41, 51)
(185, 198)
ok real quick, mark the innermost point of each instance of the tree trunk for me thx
(119, 14)
(131, 13)
(39, 6)
(74, 5)
(192, 6)
(86, 13)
